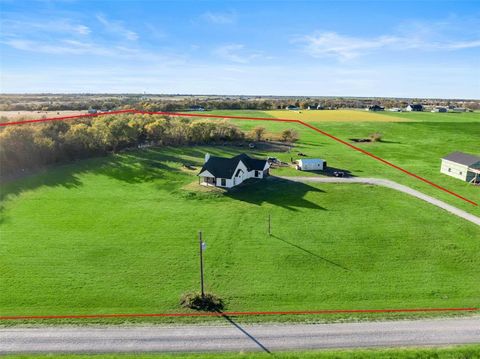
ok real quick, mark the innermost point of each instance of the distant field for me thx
(33, 115)
(434, 116)
(334, 116)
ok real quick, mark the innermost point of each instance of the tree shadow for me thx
(311, 253)
(276, 191)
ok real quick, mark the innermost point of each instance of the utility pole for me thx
(269, 224)
(201, 247)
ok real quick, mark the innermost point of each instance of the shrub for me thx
(210, 302)
(289, 135)
(375, 137)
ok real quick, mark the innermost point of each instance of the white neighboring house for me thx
(311, 164)
(230, 172)
(462, 166)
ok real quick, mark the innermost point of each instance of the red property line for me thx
(254, 119)
(219, 314)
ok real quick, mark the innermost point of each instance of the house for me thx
(375, 108)
(196, 108)
(414, 107)
(292, 108)
(459, 109)
(395, 109)
(462, 166)
(230, 172)
(439, 109)
(311, 164)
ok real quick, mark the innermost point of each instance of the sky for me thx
(389, 48)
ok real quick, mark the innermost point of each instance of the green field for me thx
(118, 234)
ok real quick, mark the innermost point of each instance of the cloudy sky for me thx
(343, 48)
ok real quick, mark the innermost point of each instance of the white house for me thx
(414, 107)
(311, 164)
(230, 172)
(462, 166)
(292, 108)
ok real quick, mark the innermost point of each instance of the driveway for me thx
(393, 185)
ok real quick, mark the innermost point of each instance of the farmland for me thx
(116, 234)
(7, 116)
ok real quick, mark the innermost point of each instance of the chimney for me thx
(207, 157)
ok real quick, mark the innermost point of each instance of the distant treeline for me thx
(29, 147)
(182, 103)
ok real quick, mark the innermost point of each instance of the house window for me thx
(461, 173)
(449, 170)
(223, 182)
(256, 174)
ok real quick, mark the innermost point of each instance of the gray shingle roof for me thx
(224, 167)
(462, 158)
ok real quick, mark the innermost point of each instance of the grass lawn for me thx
(453, 352)
(416, 145)
(118, 235)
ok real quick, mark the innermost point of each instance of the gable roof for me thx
(225, 167)
(462, 158)
(416, 105)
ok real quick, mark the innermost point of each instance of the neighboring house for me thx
(414, 107)
(311, 164)
(292, 108)
(462, 166)
(395, 109)
(196, 108)
(459, 109)
(440, 109)
(230, 172)
(375, 108)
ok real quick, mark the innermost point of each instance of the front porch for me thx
(207, 181)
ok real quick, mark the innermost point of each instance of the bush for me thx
(209, 303)
(375, 137)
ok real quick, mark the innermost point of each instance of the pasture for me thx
(118, 235)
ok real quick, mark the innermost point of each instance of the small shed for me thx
(461, 165)
(311, 164)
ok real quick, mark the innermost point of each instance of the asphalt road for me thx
(393, 185)
(234, 337)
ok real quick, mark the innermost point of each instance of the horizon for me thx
(348, 49)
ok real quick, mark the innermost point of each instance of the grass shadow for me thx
(311, 253)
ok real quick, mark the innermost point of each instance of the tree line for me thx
(32, 146)
(182, 103)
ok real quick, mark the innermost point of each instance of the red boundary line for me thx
(86, 316)
(255, 119)
(219, 314)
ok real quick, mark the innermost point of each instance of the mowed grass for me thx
(452, 352)
(118, 235)
(416, 146)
